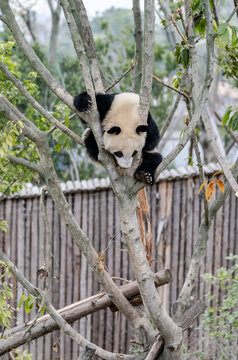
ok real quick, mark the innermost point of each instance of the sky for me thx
(94, 6)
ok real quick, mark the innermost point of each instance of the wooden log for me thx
(46, 324)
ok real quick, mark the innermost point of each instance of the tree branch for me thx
(74, 312)
(23, 162)
(231, 15)
(68, 12)
(38, 107)
(13, 114)
(121, 77)
(32, 57)
(199, 250)
(64, 326)
(147, 59)
(186, 97)
(138, 35)
(219, 155)
(81, 20)
(180, 33)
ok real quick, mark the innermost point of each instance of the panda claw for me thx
(145, 177)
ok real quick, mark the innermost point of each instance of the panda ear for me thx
(114, 130)
(141, 128)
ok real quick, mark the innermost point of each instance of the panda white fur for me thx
(132, 144)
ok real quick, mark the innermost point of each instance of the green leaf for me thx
(185, 58)
(221, 29)
(226, 116)
(66, 120)
(224, 38)
(29, 303)
(234, 35)
(233, 123)
(58, 147)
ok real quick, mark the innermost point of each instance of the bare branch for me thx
(170, 117)
(138, 45)
(147, 59)
(121, 77)
(156, 349)
(32, 57)
(38, 107)
(88, 352)
(214, 9)
(23, 162)
(13, 114)
(172, 88)
(68, 330)
(78, 47)
(74, 312)
(179, 31)
(201, 174)
(232, 14)
(81, 20)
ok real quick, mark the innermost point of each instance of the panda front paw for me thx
(145, 176)
(83, 102)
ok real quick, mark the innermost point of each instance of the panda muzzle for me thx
(124, 162)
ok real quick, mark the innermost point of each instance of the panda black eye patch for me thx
(118, 154)
(141, 128)
(134, 153)
(114, 130)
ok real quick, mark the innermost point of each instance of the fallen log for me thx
(76, 311)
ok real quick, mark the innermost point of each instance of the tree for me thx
(159, 333)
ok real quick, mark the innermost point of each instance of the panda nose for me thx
(125, 162)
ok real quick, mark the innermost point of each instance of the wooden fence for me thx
(175, 215)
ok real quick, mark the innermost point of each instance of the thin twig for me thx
(232, 14)
(170, 117)
(172, 88)
(37, 106)
(121, 77)
(201, 175)
(180, 33)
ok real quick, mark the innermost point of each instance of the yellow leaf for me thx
(210, 190)
(220, 184)
(217, 173)
(202, 186)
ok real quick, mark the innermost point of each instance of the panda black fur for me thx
(132, 144)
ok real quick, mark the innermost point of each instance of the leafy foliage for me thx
(227, 41)
(6, 294)
(220, 321)
(230, 121)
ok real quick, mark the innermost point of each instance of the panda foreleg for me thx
(146, 171)
(90, 144)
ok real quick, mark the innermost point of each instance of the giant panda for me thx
(132, 144)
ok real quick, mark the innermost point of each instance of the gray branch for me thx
(38, 107)
(199, 250)
(23, 162)
(84, 29)
(147, 59)
(138, 46)
(88, 352)
(63, 325)
(13, 114)
(32, 57)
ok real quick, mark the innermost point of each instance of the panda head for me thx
(123, 135)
